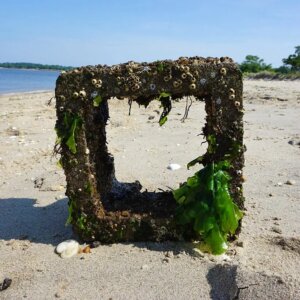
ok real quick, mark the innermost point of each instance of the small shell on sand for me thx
(67, 248)
(173, 167)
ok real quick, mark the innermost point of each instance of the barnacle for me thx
(183, 60)
(231, 97)
(94, 81)
(231, 91)
(167, 78)
(152, 86)
(75, 95)
(135, 87)
(223, 71)
(186, 68)
(183, 75)
(176, 84)
(237, 103)
(192, 86)
(82, 93)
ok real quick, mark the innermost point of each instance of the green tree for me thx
(254, 64)
(293, 60)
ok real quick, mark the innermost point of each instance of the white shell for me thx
(174, 167)
(67, 248)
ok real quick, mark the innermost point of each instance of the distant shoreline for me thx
(33, 66)
(25, 93)
(31, 69)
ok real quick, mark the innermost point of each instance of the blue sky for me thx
(74, 32)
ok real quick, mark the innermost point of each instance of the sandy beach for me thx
(263, 263)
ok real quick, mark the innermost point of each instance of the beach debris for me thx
(166, 260)
(5, 284)
(276, 229)
(67, 248)
(290, 182)
(95, 244)
(38, 182)
(169, 254)
(294, 143)
(57, 295)
(85, 249)
(240, 244)
(13, 131)
(173, 167)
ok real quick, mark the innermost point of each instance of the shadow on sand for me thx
(23, 219)
(222, 280)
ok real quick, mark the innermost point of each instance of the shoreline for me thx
(32, 69)
(25, 93)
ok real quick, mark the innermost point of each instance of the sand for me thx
(263, 264)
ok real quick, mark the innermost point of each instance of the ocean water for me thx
(19, 80)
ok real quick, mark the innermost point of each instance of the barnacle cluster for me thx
(150, 79)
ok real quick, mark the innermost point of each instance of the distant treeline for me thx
(255, 67)
(23, 65)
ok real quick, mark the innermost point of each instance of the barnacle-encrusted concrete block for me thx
(104, 209)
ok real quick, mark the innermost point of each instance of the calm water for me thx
(16, 80)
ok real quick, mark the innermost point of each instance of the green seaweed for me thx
(81, 222)
(76, 217)
(88, 187)
(197, 160)
(212, 144)
(59, 163)
(71, 210)
(67, 134)
(97, 101)
(160, 67)
(165, 100)
(211, 148)
(204, 202)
